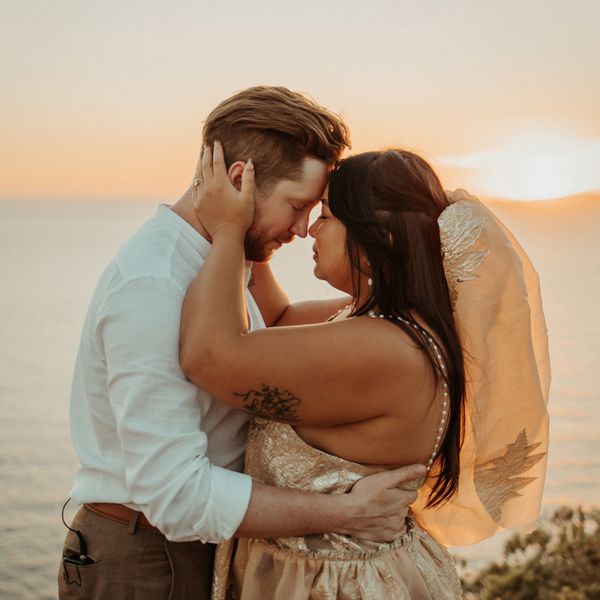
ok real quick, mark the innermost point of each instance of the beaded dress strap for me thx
(442, 366)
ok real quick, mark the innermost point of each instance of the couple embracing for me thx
(372, 430)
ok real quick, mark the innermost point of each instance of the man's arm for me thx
(275, 305)
(158, 417)
(375, 509)
(168, 475)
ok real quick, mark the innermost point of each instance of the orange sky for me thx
(106, 99)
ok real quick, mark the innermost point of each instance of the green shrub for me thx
(559, 561)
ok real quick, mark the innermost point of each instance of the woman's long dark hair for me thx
(390, 202)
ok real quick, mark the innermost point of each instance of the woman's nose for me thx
(312, 230)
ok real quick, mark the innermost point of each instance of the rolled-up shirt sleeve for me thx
(159, 418)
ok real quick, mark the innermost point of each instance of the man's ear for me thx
(235, 174)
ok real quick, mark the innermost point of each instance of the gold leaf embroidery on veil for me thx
(498, 480)
(459, 230)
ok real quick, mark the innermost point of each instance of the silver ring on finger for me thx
(197, 182)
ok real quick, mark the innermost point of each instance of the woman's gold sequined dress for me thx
(328, 566)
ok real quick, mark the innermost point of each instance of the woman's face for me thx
(331, 260)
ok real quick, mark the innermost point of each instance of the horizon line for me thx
(594, 193)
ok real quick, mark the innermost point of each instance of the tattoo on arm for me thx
(271, 403)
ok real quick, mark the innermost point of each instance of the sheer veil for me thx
(498, 311)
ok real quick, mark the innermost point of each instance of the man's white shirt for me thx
(145, 436)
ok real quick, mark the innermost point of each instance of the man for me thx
(159, 476)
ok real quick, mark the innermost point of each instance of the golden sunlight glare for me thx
(537, 165)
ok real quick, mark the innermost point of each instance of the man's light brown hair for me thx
(277, 128)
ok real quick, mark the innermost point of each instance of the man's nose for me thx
(300, 227)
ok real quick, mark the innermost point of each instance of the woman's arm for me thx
(375, 509)
(312, 374)
(275, 306)
(309, 374)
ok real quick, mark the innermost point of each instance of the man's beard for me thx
(255, 244)
(257, 240)
(254, 248)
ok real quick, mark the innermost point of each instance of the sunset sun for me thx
(536, 165)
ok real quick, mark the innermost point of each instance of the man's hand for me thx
(378, 504)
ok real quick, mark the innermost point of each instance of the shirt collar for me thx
(164, 213)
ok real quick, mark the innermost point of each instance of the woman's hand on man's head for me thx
(219, 204)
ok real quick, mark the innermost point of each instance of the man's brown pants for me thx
(133, 563)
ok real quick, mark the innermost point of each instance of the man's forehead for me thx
(314, 167)
(307, 189)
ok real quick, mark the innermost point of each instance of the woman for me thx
(381, 384)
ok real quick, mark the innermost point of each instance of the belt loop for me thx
(133, 522)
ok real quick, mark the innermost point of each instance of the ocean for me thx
(51, 254)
